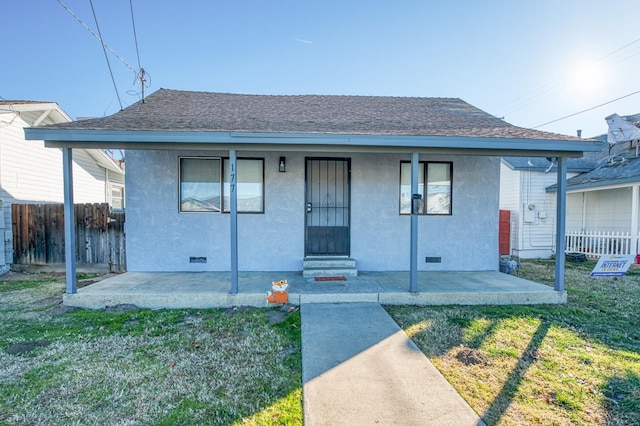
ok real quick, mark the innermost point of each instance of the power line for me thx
(135, 36)
(99, 38)
(622, 48)
(141, 73)
(104, 49)
(588, 109)
(534, 95)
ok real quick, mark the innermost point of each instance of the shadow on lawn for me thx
(623, 395)
(510, 387)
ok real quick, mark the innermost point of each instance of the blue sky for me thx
(529, 61)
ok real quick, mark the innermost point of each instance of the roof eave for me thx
(142, 139)
(597, 184)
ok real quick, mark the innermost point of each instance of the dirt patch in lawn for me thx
(26, 347)
(469, 356)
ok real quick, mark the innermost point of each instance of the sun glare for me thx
(587, 76)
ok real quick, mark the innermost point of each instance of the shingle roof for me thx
(617, 170)
(583, 164)
(615, 164)
(18, 102)
(176, 110)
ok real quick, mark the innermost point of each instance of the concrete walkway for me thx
(360, 368)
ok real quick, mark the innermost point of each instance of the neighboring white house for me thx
(391, 183)
(31, 173)
(603, 207)
(523, 183)
(602, 211)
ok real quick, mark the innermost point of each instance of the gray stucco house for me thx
(228, 182)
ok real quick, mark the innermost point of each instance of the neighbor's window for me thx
(436, 178)
(117, 197)
(203, 190)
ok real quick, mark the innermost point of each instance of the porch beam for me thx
(233, 213)
(413, 267)
(86, 138)
(69, 222)
(561, 213)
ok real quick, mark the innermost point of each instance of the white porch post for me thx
(415, 163)
(584, 212)
(634, 219)
(561, 213)
(69, 222)
(233, 213)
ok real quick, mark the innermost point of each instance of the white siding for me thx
(510, 200)
(536, 215)
(31, 173)
(609, 210)
(509, 188)
(574, 211)
(523, 193)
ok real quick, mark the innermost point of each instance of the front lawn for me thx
(577, 363)
(133, 366)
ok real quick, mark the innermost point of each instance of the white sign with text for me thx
(613, 265)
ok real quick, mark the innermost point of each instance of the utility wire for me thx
(141, 74)
(538, 94)
(104, 45)
(588, 109)
(104, 49)
(135, 36)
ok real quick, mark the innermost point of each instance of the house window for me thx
(435, 179)
(117, 197)
(202, 188)
(250, 186)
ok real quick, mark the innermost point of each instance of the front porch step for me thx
(329, 267)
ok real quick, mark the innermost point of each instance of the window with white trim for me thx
(436, 178)
(117, 197)
(204, 185)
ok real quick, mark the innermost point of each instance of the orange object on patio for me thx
(278, 293)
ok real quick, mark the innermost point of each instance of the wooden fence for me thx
(38, 235)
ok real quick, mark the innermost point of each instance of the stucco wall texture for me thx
(159, 238)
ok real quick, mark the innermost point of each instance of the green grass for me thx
(20, 285)
(577, 363)
(211, 366)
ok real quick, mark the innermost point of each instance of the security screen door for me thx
(327, 206)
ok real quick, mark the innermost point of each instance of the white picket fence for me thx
(598, 243)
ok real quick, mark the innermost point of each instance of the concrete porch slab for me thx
(175, 290)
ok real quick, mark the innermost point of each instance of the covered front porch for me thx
(199, 290)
